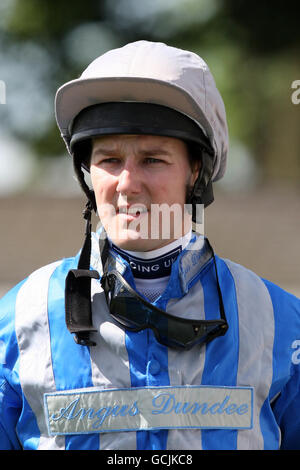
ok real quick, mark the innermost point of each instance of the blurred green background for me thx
(253, 51)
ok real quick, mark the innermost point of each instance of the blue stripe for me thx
(137, 344)
(143, 349)
(269, 427)
(71, 362)
(286, 328)
(220, 368)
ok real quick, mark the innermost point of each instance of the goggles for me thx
(127, 307)
(134, 313)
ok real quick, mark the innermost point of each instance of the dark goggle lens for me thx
(134, 313)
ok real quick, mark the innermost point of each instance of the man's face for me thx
(133, 176)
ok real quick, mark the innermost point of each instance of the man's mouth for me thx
(132, 210)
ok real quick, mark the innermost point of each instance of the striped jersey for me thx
(240, 391)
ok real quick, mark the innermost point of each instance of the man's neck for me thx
(154, 263)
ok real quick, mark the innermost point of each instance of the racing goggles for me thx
(134, 313)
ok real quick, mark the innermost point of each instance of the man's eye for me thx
(109, 160)
(153, 160)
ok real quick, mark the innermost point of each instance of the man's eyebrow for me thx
(154, 151)
(143, 152)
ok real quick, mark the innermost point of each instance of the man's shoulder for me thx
(251, 280)
(32, 294)
(36, 278)
(61, 267)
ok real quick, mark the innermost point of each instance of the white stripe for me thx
(32, 330)
(256, 337)
(110, 363)
(186, 367)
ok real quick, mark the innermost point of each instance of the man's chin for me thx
(133, 241)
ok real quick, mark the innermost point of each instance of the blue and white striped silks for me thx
(261, 351)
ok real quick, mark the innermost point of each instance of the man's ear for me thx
(195, 171)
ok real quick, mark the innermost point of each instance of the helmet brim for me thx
(135, 118)
(79, 94)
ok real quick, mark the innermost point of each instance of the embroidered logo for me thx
(153, 268)
(194, 407)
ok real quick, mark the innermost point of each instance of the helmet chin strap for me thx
(202, 191)
(80, 177)
(78, 290)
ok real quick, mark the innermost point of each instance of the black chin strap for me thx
(202, 192)
(78, 290)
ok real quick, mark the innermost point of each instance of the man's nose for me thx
(129, 180)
